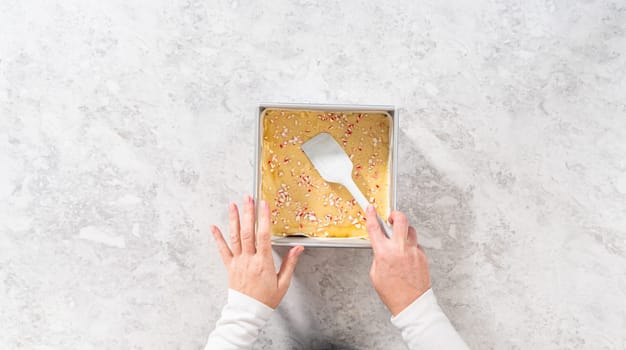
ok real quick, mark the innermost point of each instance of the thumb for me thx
(374, 231)
(286, 268)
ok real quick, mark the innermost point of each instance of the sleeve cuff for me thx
(420, 306)
(240, 301)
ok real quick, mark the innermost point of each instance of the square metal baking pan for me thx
(393, 155)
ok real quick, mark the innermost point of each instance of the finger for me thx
(233, 229)
(287, 267)
(221, 245)
(375, 232)
(412, 237)
(400, 227)
(421, 248)
(263, 235)
(247, 227)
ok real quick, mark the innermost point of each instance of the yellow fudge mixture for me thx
(301, 202)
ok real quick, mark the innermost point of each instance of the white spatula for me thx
(334, 165)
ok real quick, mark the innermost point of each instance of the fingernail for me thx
(263, 204)
(295, 251)
(299, 251)
(370, 209)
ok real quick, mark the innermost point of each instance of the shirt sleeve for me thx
(239, 325)
(424, 325)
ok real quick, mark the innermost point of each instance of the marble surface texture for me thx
(126, 127)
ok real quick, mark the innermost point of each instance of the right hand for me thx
(399, 271)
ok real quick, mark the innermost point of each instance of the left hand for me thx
(249, 261)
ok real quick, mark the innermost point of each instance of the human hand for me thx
(399, 271)
(249, 261)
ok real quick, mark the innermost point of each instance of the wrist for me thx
(401, 302)
(244, 302)
(417, 308)
(269, 301)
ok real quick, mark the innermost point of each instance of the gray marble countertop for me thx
(126, 127)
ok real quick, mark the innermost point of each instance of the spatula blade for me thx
(327, 156)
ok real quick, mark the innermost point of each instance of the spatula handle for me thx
(363, 203)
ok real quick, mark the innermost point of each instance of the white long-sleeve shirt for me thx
(422, 324)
